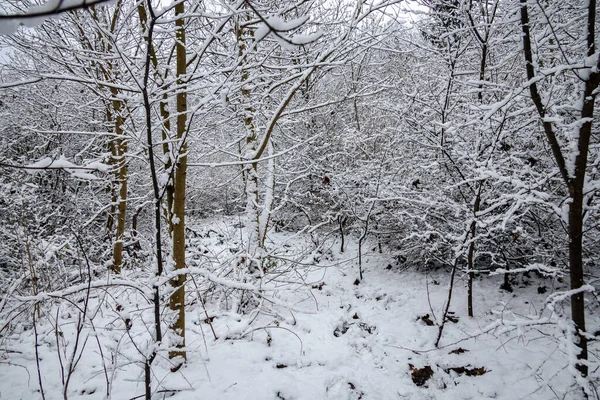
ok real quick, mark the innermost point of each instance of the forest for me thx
(299, 199)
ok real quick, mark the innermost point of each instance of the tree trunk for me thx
(177, 300)
(118, 145)
(341, 220)
(121, 182)
(110, 219)
(265, 212)
(576, 271)
(471, 253)
(253, 212)
(166, 121)
(156, 298)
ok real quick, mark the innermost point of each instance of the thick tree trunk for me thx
(177, 300)
(265, 212)
(251, 168)
(110, 220)
(121, 184)
(576, 272)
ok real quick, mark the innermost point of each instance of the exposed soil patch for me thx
(420, 375)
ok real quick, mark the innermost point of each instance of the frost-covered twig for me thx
(274, 327)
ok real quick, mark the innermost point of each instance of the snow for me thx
(43, 163)
(353, 341)
(305, 39)
(261, 32)
(81, 172)
(592, 60)
(49, 163)
(591, 65)
(278, 24)
(540, 268)
(98, 166)
(84, 175)
(283, 26)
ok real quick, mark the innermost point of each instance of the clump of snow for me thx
(81, 172)
(306, 39)
(280, 26)
(98, 166)
(41, 164)
(49, 163)
(275, 23)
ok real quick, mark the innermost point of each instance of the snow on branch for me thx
(99, 284)
(229, 283)
(276, 25)
(560, 296)
(76, 171)
(59, 77)
(541, 268)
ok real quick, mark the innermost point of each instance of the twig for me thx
(275, 327)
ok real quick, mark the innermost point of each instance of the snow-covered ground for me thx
(340, 340)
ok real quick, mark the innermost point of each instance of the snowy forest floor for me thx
(373, 340)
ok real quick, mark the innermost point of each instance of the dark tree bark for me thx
(149, 31)
(471, 252)
(341, 221)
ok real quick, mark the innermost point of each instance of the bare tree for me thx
(572, 159)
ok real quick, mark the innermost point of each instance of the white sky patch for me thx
(51, 7)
